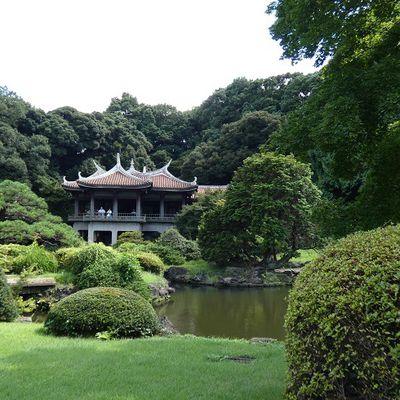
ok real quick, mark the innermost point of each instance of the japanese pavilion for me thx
(108, 203)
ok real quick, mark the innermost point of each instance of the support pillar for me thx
(90, 233)
(183, 200)
(115, 206)
(114, 236)
(76, 206)
(162, 206)
(139, 205)
(91, 204)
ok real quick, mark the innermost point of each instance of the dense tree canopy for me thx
(267, 210)
(24, 219)
(348, 127)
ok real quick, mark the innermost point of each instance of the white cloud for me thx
(83, 52)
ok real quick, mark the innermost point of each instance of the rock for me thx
(23, 319)
(177, 274)
(171, 289)
(167, 327)
(262, 340)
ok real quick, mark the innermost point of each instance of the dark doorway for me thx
(84, 234)
(126, 206)
(151, 207)
(102, 237)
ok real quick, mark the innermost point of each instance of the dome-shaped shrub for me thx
(121, 312)
(150, 262)
(343, 325)
(8, 308)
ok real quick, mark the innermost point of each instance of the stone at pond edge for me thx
(167, 327)
(262, 340)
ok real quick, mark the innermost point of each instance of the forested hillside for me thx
(209, 142)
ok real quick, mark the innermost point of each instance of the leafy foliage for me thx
(348, 125)
(188, 249)
(120, 312)
(130, 237)
(97, 265)
(267, 210)
(168, 255)
(188, 219)
(8, 308)
(150, 262)
(34, 259)
(24, 218)
(342, 321)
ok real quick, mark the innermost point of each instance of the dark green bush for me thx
(8, 308)
(343, 325)
(98, 274)
(150, 262)
(120, 312)
(188, 249)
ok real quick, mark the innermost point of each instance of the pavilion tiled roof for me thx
(118, 177)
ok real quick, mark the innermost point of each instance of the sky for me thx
(82, 53)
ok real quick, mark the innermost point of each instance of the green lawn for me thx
(35, 366)
(201, 266)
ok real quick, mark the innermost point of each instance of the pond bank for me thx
(234, 276)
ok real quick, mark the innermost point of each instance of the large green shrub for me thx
(24, 219)
(65, 256)
(16, 258)
(189, 249)
(343, 324)
(168, 255)
(98, 265)
(36, 259)
(120, 312)
(89, 255)
(130, 237)
(150, 262)
(8, 308)
(8, 254)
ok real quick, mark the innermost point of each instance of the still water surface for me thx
(228, 312)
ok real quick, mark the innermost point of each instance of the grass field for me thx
(36, 367)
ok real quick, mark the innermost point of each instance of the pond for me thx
(228, 312)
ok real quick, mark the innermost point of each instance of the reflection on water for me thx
(228, 312)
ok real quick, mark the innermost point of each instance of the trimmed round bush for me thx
(150, 262)
(99, 274)
(8, 308)
(343, 321)
(120, 312)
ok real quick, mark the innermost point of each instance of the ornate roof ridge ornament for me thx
(98, 168)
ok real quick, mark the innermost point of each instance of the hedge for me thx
(343, 325)
(120, 312)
